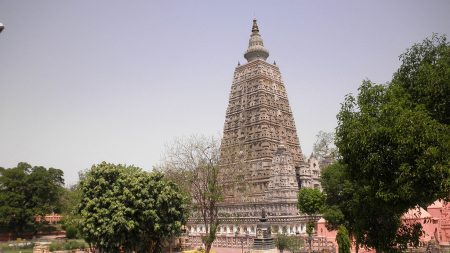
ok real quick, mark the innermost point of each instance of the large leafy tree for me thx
(394, 142)
(394, 152)
(339, 192)
(425, 76)
(25, 192)
(125, 208)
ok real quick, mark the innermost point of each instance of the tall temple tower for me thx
(260, 139)
(258, 121)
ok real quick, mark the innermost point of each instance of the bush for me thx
(69, 245)
(71, 232)
(282, 242)
(56, 246)
(343, 240)
(291, 243)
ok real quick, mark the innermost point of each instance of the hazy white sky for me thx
(88, 81)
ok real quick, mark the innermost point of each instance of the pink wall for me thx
(323, 231)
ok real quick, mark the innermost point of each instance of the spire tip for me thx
(255, 26)
(256, 48)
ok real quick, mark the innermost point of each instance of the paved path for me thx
(229, 250)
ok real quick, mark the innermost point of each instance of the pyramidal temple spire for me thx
(256, 48)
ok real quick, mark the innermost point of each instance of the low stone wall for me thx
(318, 244)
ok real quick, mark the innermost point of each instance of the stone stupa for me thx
(263, 242)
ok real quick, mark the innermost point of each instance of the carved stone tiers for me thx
(260, 139)
(257, 120)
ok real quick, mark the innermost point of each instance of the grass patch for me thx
(12, 250)
(67, 245)
(16, 249)
(27, 246)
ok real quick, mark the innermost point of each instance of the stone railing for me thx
(318, 243)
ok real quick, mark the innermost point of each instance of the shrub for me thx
(71, 232)
(343, 240)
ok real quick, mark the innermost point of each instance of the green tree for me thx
(291, 243)
(310, 228)
(340, 199)
(25, 192)
(393, 140)
(310, 201)
(70, 200)
(334, 217)
(396, 153)
(125, 208)
(425, 76)
(282, 242)
(343, 240)
(295, 244)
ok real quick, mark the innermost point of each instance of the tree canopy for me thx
(125, 208)
(425, 76)
(339, 197)
(310, 201)
(70, 200)
(25, 192)
(394, 142)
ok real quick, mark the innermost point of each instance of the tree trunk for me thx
(154, 245)
(208, 247)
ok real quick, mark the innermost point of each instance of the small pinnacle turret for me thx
(256, 48)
